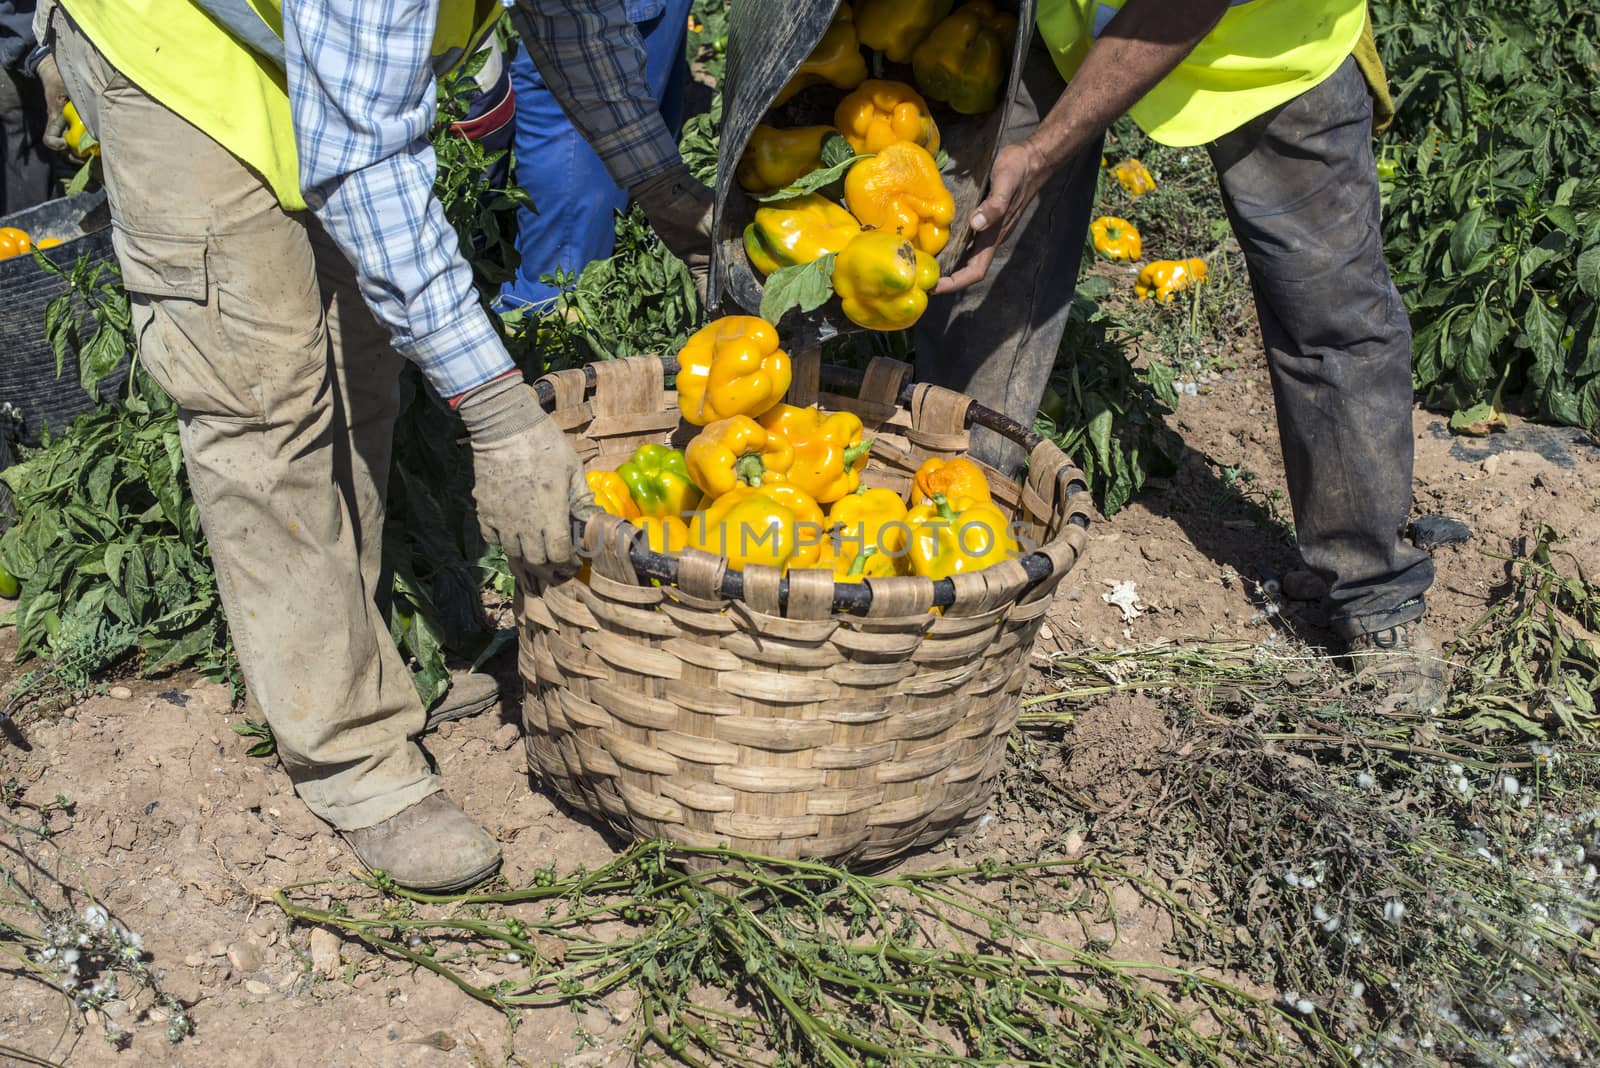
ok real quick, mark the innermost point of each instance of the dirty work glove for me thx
(55, 102)
(527, 481)
(679, 208)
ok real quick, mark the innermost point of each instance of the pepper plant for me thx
(1492, 210)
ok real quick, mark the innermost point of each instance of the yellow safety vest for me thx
(1262, 54)
(184, 57)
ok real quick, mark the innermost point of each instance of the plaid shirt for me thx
(361, 87)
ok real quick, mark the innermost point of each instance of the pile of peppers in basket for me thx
(765, 482)
(888, 215)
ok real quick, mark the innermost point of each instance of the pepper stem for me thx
(858, 566)
(749, 468)
(941, 502)
(852, 453)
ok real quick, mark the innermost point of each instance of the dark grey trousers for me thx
(1301, 190)
(24, 161)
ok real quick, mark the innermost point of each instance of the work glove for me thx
(55, 102)
(679, 209)
(527, 481)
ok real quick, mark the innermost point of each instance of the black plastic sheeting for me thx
(28, 381)
(767, 41)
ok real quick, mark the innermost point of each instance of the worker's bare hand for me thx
(1019, 173)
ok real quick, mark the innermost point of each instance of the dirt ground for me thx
(183, 835)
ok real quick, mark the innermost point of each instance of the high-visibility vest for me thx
(1262, 54)
(219, 65)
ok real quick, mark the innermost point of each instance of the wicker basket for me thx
(786, 715)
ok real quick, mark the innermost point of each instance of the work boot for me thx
(470, 692)
(432, 846)
(1406, 662)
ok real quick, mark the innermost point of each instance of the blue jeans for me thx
(575, 199)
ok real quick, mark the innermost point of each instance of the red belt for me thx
(490, 121)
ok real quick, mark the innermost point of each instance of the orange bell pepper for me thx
(829, 454)
(899, 190)
(958, 477)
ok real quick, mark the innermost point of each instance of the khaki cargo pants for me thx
(287, 391)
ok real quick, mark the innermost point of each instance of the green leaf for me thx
(80, 181)
(1100, 431)
(1543, 330)
(1564, 218)
(1464, 236)
(836, 150)
(820, 178)
(100, 357)
(1587, 273)
(1477, 421)
(806, 286)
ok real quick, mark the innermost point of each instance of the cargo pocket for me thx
(176, 322)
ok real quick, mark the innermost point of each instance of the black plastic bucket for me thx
(767, 42)
(28, 381)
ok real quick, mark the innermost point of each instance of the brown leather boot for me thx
(432, 846)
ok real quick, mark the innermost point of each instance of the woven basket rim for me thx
(852, 598)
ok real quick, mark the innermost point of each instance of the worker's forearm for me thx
(1139, 47)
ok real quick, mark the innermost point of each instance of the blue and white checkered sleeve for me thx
(361, 89)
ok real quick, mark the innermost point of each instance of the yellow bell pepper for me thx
(883, 281)
(880, 113)
(799, 230)
(1116, 239)
(775, 158)
(964, 61)
(1134, 177)
(736, 451)
(732, 366)
(664, 533)
(955, 478)
(81, 143)
(611, 494)
(899, 191)
(869, 563)
(836, 61)
(778, 525)
(657, 478)
(1163, 278)
(867, 530)
(829, 454)
(896, 27)
(954, 537)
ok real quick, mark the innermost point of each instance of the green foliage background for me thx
(1492, 217)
